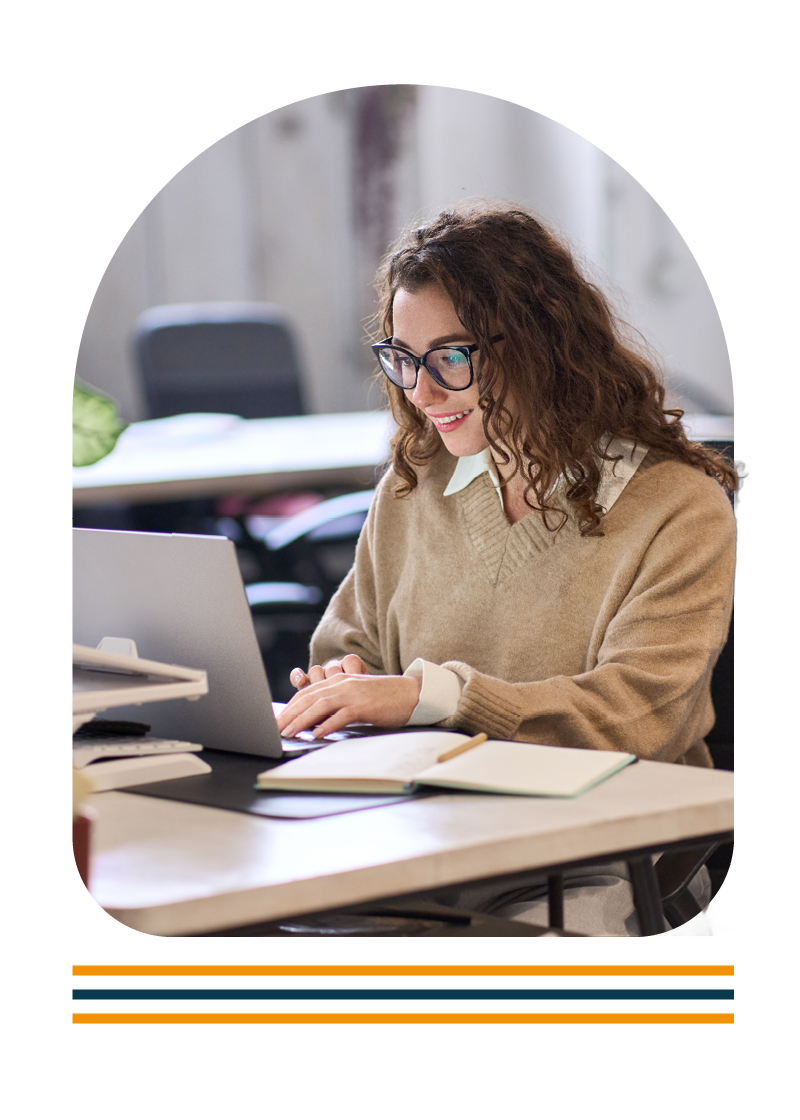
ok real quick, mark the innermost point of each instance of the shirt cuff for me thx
(439, 694)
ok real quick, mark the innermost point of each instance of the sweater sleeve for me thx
(644, 692)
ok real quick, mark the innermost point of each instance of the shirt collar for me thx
(615, 476)
(470, 467)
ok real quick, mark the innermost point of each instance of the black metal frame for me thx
(648, 897)
(657, 887)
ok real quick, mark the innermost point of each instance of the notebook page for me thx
(526, 768)
(378, 758)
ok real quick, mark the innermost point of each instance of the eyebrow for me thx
(443, 341)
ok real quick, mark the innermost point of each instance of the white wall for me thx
(275, 211)
(474, 145)
(660, 290)
(262, 214)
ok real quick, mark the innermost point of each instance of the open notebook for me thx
(405, 762)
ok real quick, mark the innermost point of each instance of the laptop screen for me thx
(182, 600)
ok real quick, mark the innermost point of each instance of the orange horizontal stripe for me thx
(398, 1018)
(401, 970)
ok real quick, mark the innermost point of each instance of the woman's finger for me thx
(333, 669)
(303, 699)
(348, 698)
(352, 663)
(316, 674)
(322, 708)
(336, 722)
(319, 701)
(298, 678)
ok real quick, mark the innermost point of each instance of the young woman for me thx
(549, 558)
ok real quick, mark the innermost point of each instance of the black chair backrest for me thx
(218, 357)
(720, 738)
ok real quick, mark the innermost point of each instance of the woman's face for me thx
(423, 320)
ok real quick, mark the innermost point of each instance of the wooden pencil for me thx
(475, 741)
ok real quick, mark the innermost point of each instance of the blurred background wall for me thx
(298, 206)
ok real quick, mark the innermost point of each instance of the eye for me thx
(450, 360)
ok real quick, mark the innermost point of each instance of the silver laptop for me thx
(182, 600)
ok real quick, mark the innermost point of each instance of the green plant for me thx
(96, 425)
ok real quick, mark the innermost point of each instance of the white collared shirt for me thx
(441, 688)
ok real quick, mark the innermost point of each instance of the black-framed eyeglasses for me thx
(449, 366)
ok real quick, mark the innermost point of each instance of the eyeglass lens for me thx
(451, 366)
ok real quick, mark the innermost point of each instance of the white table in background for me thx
(191, 456)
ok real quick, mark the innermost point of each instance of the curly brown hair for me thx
(574, 375)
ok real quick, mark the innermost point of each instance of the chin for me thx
(461, 445)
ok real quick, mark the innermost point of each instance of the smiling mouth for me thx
(442, 421)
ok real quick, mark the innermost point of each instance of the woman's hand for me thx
(344, 697)
(350, 663)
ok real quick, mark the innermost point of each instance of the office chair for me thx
(237, 358)
(218, 357)
(232, 357)
(241, 358)
(318, 544)
(308, 555)
(676, 870)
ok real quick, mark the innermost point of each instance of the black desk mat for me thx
(230, 786)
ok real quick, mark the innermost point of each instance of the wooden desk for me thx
(176, 458)
(163, 867)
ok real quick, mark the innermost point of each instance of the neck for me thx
(513, 484)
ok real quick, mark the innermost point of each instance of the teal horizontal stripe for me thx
(402, 993)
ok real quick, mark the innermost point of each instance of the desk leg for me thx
(646, 896)
(555, 901)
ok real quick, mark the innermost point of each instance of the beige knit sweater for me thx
(601, 642)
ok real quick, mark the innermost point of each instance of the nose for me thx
(427, 392)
